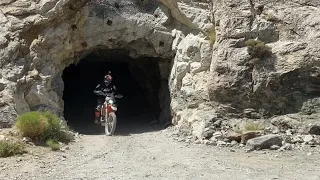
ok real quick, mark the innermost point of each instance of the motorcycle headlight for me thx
(110, 101)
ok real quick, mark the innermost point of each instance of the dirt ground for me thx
(149, 153)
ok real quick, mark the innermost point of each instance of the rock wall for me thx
(40, 38)
(214, 82)
(221, 93)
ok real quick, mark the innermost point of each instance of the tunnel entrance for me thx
(138, 80)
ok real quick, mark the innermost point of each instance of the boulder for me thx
(315, 129)
(264, 142)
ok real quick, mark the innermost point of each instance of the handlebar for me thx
(118, 96)
(105, 94)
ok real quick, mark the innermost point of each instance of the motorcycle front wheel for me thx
(110, 124)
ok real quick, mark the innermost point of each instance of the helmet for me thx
(107, 78)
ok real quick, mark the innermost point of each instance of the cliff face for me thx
(280, 87)
(213, 77)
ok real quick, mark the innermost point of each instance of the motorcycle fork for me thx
(104, 111)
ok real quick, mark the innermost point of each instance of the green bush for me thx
(32, 125)
(8, 148)
(53, 144)
(43, 126)
(56, 130)
(257, 49)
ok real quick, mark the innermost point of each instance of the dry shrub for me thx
(8, 148)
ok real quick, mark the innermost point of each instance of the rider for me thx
(105, 88)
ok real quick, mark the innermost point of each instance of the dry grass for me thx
(248, 126)
(8, 148)
(212, 36)
(257, 49)
(53, 144)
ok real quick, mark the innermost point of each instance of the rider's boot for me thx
(97, 117)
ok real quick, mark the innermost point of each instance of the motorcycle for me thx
(108, 117)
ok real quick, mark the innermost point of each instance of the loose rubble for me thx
(271, 138)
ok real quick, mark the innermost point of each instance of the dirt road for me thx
(155, 155)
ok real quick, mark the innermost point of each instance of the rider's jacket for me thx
(106, 90)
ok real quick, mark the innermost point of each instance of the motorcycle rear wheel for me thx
(110, 124)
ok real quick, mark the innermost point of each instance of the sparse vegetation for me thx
(43, 127)
(32, 125)
(248, 126)
(53, 144)
(212, 36)
(56, 130)
(8, 148)
(272, 18)
(251, 126)
(257, 49)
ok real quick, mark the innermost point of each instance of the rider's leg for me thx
(98, 110)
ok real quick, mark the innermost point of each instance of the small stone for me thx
(296, 139)
(310, 143)
(245, 136)
(26, 139)
(289, 132)
(309, 154)
(276, 131)
(276, 155)
(3, 41)
(233, 136)
(275, 147)
(247, 150)
(232, 150)
(3, 138)
(208, 134)
(221, 143)
(262, 152)
(2, 86)
(307, 138)
(217, 123)
(286, 146)
(190, 137)
(180, 139)
(233, 143)
(217, 135)
(207, 142)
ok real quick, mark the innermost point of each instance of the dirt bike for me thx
(108, 117)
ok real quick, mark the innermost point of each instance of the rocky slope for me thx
(214, 82)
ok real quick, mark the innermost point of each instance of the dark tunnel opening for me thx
(138, 80)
